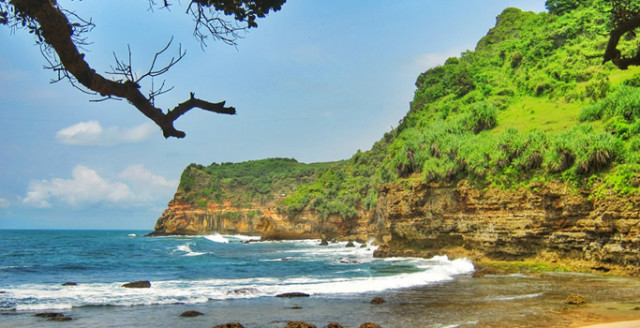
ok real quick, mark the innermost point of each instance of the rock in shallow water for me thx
(138, 284)
(377, 300)
(229, 325)
(53, 316)
(191, 313)
(369, 325)
(334, 325)
(299, 324)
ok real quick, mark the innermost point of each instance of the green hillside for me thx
(532, 103)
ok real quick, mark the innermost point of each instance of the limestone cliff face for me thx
(548, 221)
(183, 218)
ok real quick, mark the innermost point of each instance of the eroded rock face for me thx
(548, 220)
(183, 218)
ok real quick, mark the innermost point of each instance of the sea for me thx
(232, 278)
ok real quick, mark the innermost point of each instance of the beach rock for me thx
(138, 284)
(377, 300)
(334, 325)
(69, 283)
(324, 242)
(575, 300)
(191, 313)
(229, 325)
(294, 294)
(350, 244)
(49, 314)
(299, 324)
(53, 316)
(369, 325)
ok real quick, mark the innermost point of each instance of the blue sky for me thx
(316, 81)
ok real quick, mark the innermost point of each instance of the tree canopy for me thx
(61, 33)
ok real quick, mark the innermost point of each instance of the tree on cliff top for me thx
(60, 33)
(624, 19)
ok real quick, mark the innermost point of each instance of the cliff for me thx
(550, 223)
(257, 219)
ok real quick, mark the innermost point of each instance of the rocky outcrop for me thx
(255, 219)
(551, 221)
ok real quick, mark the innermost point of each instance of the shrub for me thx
(482, 116)
(596, 152)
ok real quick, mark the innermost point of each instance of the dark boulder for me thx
(53, 316)
(191, 313)
(229, 325)
(49, 314)
(69, 283)
(299, 324)
(324, 242)
(138, 284)
(369, 325)
(334, 325)
(377, 300)
(350, 244)
(291, 295)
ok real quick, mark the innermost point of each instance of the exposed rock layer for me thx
(550, 222)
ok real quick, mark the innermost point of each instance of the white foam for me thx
(132, 235)
(217, 238)
(187, 249)
(41, 297)
(241, 238)
(43, 306)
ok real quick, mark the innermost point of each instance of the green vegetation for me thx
(532, 103)
(242, 184)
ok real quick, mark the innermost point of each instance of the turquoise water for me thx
(192, 270)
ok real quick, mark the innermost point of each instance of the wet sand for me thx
(489, 301)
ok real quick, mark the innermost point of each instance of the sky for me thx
(316, 81)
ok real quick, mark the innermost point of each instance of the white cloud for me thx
(91, 133)
(4, 203)
(147, 183)
(429, 60)
(138, 187)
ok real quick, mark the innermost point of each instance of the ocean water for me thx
(193, 270)
(230, 280)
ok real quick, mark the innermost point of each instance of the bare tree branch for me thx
(60, 41)
(625, 17)
(56, 31)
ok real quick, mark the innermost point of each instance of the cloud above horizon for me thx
(91, 133)
(135, 186)
(4, 203)
(433, 59)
